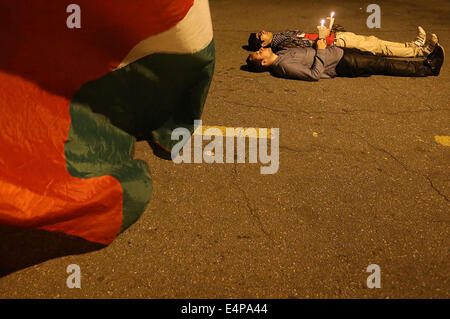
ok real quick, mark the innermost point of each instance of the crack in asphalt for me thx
(313, 149)
(435, 188)
(405, 167)
(387, 90)
(345, 112)
(379, 149)
(265, 107)
(252, 211)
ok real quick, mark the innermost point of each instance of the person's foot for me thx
(430, 44)
(420, 38)
(435, 59)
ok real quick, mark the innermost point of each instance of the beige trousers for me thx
(376, 46)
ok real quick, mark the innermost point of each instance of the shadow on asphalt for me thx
(159, 151)
(24, 247)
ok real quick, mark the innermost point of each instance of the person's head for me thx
(260, 60)
(260, 39)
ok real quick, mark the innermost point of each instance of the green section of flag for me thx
(148, 98)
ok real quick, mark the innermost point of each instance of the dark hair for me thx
(254, 44)
(255, 65)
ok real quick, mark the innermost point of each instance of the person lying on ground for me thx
(326, 62)
(420, 47)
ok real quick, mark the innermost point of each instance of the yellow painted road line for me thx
(444, 140)
(206, 130)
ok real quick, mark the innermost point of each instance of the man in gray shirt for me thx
(311, 64)
(307, 63)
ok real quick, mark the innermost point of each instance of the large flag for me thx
(77, 84)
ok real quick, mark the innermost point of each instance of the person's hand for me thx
(321, 44)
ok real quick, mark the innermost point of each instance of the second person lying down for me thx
(311, 64)
(422, 46)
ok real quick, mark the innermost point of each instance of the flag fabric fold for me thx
(73, 100)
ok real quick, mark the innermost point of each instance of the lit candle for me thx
(331, 20)
(322, 30)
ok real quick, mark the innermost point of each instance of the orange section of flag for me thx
(42, 64)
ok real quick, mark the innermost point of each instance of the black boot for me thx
(435, 59)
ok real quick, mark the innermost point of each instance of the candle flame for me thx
(322, 22)
(332, 14)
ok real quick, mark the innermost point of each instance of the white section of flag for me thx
(192, 34)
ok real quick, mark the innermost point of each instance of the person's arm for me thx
(315, 36)
(301, 71)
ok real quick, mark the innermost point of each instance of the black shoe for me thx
(435, 59)
(430, 44)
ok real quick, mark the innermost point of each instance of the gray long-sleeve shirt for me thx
(307, 63)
